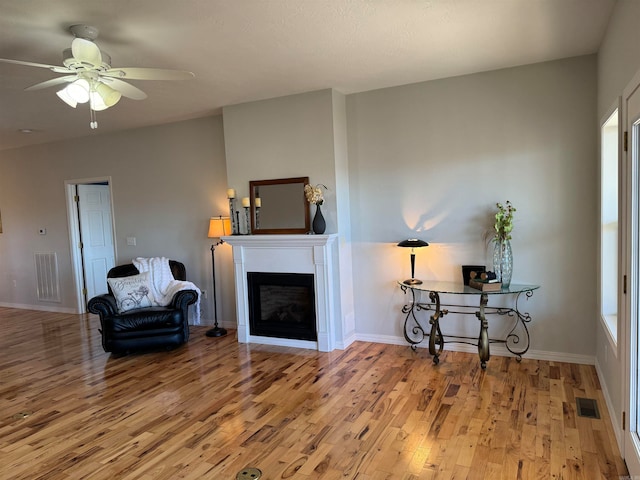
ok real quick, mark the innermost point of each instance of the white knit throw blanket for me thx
(164, 286)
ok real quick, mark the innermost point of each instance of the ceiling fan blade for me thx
(135, 73)
(54, 68)
(124, 88)
(52, 82)
(62, 70)
(86, 51)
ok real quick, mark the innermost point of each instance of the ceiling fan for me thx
(89, 77)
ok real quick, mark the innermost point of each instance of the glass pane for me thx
(609, 224)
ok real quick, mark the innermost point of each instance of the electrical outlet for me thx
(249, 473)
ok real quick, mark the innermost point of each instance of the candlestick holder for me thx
(257, 218)
(248, 223)
(235, 228)
(237, 217)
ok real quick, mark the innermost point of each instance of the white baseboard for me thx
(496, 350)
(40, 308)
(617, 430)
(205, 322)
(347, 341)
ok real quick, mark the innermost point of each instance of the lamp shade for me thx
(79, 90)
(108, 95)
(66, 98)
(219, 227)
(96, 102)
(413, 243)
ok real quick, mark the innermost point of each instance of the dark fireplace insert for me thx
(282, 305)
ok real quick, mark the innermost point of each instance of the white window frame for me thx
(609, 224)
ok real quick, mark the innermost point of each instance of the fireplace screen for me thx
(282, 305)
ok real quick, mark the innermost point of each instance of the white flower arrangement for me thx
(313, 194)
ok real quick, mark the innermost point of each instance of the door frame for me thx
(77, 268)
(630, 201)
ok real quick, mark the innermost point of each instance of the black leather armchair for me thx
(149, 328)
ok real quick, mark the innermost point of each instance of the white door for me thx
(631, 104)
(94, 206)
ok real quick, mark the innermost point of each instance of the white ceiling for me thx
(245, 50)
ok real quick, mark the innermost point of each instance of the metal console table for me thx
(516, 341)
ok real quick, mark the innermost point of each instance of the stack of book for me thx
(485, 285)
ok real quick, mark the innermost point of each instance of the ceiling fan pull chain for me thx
(93, 123)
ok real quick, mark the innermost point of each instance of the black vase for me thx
(319, 225)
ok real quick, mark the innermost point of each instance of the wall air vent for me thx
(47, 277)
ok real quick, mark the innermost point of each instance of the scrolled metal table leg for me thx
(518, 342)
(483, 338)
(413, 332)
(435, 336)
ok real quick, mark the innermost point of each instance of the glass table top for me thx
(458, 288)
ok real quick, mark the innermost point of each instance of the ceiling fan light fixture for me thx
(108, 95)
(66, 98)
(90, 78)
(79, 90)
(96, 102)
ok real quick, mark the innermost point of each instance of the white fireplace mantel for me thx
(314, 254)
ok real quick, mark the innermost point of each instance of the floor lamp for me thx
(218, 227)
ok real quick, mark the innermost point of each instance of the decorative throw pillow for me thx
(132, 292)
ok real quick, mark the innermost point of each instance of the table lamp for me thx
(413, 243)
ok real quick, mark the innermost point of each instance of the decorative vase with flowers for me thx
(315, 196)
(502, 253)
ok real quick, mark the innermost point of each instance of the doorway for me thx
(91, 233)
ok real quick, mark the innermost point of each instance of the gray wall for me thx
(618, 61)
(166, 182)
(281, 138)
(300, 135)
(619, 55)
(430, 160)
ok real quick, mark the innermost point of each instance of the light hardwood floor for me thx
(213, 407)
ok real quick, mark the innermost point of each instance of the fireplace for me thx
(282, 305)
(313, 258)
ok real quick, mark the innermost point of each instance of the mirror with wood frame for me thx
(279, 206)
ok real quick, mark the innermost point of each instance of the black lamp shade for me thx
(413, 242)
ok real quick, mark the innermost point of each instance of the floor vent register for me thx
(587, 407)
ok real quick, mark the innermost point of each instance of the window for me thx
(609, 225)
